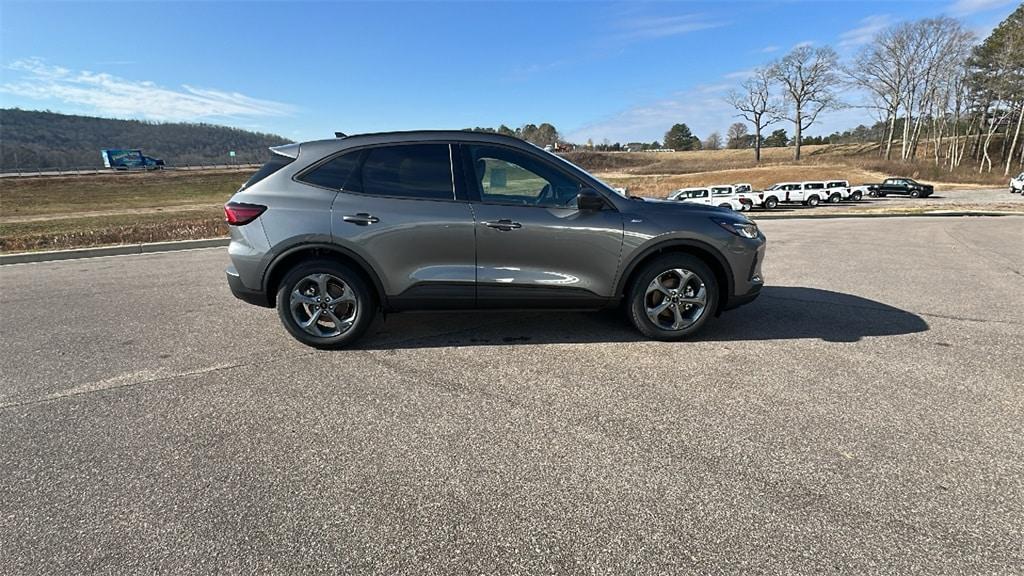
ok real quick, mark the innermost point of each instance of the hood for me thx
(662, 206)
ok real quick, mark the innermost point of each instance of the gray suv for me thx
(333, 231)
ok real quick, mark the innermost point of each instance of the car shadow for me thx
(780, 313)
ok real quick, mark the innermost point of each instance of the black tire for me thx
(638, 297)
(857, 196)
(365, 303)
(771, 202)
(915, 193)
(813, 201)
(835, 198)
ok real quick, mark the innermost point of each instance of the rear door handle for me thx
(504, 224)
(361, 219)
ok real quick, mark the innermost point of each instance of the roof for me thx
(328, 146)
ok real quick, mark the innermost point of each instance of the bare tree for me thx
(713, 141)
(875, 69)
(756, 105)
(737, 136)
(808, 77)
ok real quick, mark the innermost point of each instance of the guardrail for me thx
(92, 170)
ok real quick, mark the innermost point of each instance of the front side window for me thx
(507, 176)
(721, 191)
(409, 171)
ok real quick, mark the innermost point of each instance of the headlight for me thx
(744, 229)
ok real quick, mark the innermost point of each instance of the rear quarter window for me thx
(277, 161)
(338, 173)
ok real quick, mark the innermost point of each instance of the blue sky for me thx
(622, 71)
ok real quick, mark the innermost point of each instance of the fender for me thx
(276, 259)
(620, 287)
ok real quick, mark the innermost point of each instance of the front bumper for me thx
(240, 291)
(737, 301)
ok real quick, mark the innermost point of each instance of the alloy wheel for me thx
(675, 299)
(323, 305)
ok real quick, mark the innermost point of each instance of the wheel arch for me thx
(708, 254)
(287, 259)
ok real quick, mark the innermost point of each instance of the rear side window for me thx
(837, 184)
(277, 161)
(338, 173)
(410, 171)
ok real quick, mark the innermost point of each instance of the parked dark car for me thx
(331, 232)
(902, 186)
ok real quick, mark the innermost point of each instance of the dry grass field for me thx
(50, 213)
(658, 173)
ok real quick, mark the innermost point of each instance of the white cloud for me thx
(740, 74)
(769, 49)
(703, 109)
(866, 32)
(109, 95)
(640, 27)
(968, 7)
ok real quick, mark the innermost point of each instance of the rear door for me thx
(397, 208)
(534, 247)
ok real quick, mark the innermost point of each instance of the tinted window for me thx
(814, 186)
(508, 176)
(336, 173)
(277, 161)
(837, 184)
(412, 171)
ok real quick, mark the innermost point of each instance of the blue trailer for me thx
(119, 159)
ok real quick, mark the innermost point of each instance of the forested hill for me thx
(32, 140)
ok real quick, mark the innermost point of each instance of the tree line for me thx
(36, 140)
(927, 80)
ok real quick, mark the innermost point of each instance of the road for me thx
(865, 415)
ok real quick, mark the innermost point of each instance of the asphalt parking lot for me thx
(865, 415)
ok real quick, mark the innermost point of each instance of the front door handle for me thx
(361, 219)
(504, 225)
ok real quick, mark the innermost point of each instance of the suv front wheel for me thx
(325, 304)
(672, 297)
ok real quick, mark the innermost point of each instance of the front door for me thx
(534, 247)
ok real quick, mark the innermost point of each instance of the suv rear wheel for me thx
(672, 297)
(325, 304)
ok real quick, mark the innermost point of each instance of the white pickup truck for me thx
(1017, 184)
(704, 196)
(731, 191)
(838, 190)
(806, 193)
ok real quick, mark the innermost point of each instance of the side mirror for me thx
(589, 199)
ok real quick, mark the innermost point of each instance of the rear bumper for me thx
(249, 295)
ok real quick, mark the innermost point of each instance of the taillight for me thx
(239, 214)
